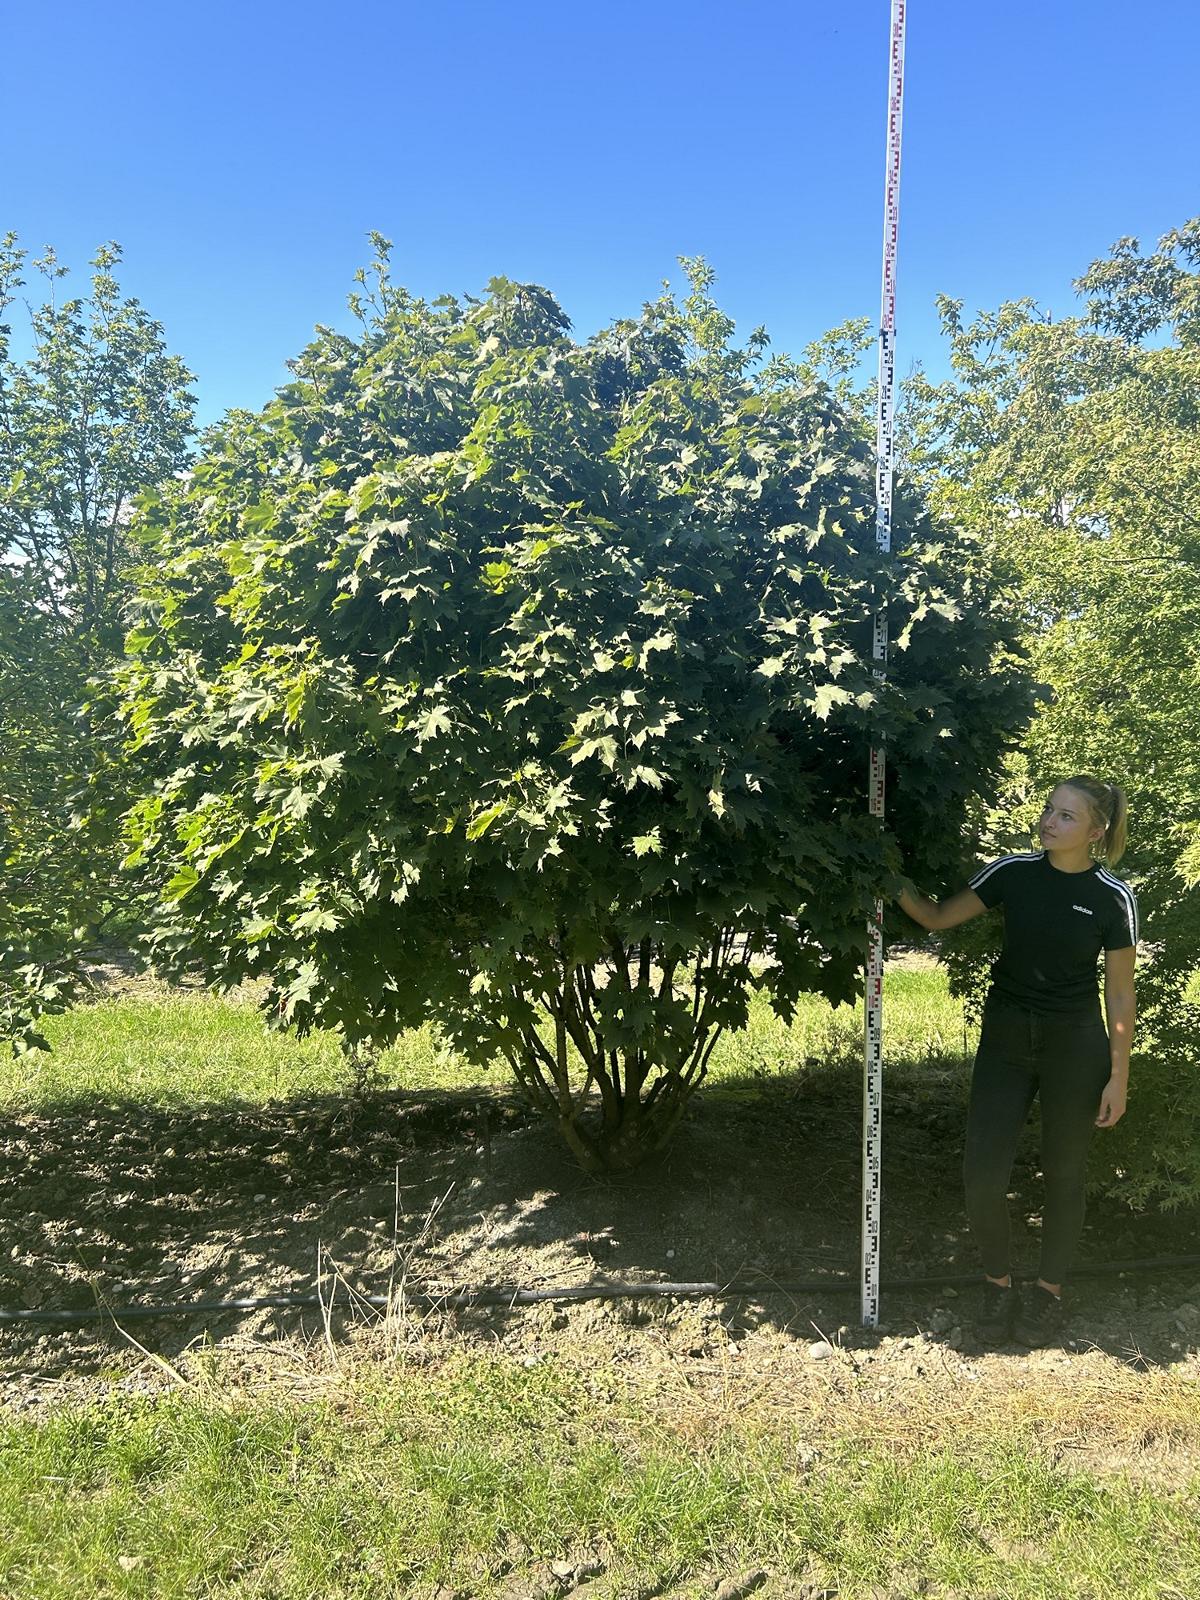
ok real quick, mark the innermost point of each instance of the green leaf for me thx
(251, 704)
(436, 723)
(826, 697)
(315, 920)
(605, 746)
(304, 983)
(659, 641)
(295, 700)
(183, 882)
(480, 825)
(260, 518)
(647, 775)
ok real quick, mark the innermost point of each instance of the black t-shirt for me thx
(1055, 926)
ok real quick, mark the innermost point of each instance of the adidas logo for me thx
(1084, 909)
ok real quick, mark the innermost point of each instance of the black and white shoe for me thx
(1040, 1319)
(997, 1305)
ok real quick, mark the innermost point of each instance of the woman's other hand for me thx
(1112, 1103)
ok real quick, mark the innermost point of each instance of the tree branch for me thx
(667, 986)
(110, 556)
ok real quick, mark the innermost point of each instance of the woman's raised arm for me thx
(939, 914)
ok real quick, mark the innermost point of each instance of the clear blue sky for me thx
(240, 152)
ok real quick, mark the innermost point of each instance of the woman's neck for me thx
(1069, 860)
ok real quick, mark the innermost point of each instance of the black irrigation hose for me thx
(497, 1295)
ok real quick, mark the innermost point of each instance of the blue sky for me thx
(240, 152)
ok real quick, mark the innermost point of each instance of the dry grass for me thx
(682, 1374)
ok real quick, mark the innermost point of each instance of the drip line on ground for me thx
(467, 1295)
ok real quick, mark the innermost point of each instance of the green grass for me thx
(181, 1048)
(413, 1479)
(923, 1023)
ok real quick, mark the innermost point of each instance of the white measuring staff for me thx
(885, 449)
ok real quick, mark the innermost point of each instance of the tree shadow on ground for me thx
(126, 1204)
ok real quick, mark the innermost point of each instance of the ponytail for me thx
(1110, 811)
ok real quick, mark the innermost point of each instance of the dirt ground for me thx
(124, 1206)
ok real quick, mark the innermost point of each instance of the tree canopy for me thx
(525, 686)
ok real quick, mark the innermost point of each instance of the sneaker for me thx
(994, 1324)
(1040, 1318)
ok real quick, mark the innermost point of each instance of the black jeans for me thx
(1021, 1056)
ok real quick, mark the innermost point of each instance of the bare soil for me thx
(124, 1206)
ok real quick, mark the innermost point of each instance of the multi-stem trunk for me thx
(615, 1106)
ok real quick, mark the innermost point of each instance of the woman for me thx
(1043, 1035)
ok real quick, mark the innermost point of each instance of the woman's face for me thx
(1066, 821)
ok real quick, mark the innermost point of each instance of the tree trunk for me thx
(640, 1099)
(629, 1128)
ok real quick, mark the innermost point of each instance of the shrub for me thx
(525, 686)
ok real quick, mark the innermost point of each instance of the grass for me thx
(408, 1478)
(177, 1048)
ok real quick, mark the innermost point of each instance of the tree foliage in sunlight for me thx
(97, 411)
(526, 686)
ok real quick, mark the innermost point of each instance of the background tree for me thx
(525, 687)
(97, 412)
(1072, 449)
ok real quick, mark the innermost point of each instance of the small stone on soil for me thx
(745, 1583)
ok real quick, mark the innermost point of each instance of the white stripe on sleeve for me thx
(1127, 898)
(986, 872)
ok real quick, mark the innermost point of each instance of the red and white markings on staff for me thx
(885, 456)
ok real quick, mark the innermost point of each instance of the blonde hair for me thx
(1109, 810)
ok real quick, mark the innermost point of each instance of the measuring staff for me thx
(885, 456)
